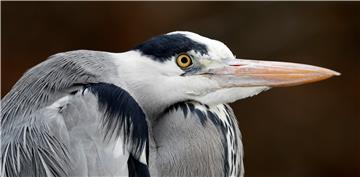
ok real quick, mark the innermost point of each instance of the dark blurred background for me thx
(306, 131)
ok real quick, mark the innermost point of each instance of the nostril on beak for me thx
(236, 64)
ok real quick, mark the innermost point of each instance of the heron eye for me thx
(183, 61)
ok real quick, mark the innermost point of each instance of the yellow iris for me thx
(183, 61)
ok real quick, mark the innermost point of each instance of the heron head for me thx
(182, 66)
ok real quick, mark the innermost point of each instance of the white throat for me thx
(147, 81)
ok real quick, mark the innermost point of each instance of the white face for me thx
(165, 83)
(158, 75)
(202, 85)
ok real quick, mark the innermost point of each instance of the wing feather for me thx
(77, 135)
(122, 116)
(29, 155)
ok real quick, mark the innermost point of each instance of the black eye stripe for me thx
(162, 48)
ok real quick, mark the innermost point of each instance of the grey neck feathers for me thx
(52, 79)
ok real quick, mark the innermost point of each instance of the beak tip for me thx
(337, 73)
(333, 73)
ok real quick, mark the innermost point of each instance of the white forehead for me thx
(216, 49)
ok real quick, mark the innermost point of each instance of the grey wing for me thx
(99, 131)
(32, 148)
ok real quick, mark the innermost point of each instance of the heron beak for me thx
(248, 73)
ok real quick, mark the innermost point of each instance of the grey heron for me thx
(159, 109)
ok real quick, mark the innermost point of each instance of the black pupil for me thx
(184, 60)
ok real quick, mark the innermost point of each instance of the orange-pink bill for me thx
(246, 73)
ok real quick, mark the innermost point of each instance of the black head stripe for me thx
(163, 47)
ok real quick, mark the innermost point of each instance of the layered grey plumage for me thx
(51, 126)
(159, 109)
(193, 139)
(50, 80)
